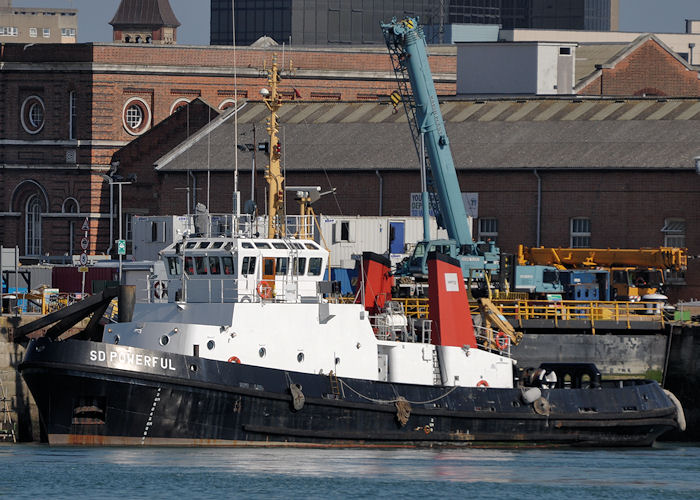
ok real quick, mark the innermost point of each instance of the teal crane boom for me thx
(407, 45)
(408, 50)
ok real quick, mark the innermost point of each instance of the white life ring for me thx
(264, 290)
(502, 341)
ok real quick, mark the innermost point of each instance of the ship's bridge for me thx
(218, 270)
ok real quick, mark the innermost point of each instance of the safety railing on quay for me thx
(38, 303)
(623, 313)
(593, 311)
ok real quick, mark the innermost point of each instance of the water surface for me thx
(666, 471)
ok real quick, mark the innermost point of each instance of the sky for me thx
(654, 16)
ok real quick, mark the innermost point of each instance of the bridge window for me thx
(299, 265)
(227, 263)
(246, 244)
(248, 266)
(262, 244)
(189, 265)
(282, 266)
(200, 265)
(174, 266)
(280, 245)
(214, 267)
(315, 264)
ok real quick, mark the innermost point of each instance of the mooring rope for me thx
(400, 398)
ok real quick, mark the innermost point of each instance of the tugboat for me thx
(244, 343)
(260, 357)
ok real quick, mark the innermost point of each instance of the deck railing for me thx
(214, 225)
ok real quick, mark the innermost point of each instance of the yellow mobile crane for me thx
(634, 273)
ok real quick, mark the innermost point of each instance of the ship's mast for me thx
(273, 172)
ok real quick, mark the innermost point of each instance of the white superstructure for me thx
(265, 302)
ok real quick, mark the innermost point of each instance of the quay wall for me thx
(683, 378)
(22, 410)
(620, 355)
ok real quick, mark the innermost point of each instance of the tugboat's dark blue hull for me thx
(92, 393)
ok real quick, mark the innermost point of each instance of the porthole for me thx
(136, 116)
(300, 357)
(32, 114)
(164, 340)
(193, 368)
(337, 361)
(210, 345)
(116, 339)
(262, 352)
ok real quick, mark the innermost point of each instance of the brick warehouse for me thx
(83, 94)
(622, 167)
(337, 133)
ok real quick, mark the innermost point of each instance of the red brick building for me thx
(646, 67)
(67, 109)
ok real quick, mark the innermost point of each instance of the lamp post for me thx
(122, 250)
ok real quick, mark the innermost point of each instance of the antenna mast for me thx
(273, 172)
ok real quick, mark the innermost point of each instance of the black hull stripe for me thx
(606, 419)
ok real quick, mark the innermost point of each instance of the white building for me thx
(527, 68)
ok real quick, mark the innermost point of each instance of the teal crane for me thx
(408, 50)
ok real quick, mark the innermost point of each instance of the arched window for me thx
(179, 103)
(70, 206)
(227, 103)
(32, 230)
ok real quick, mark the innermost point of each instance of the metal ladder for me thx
(437, 377)
(335, 385)
(7, 427)
(398, 56)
